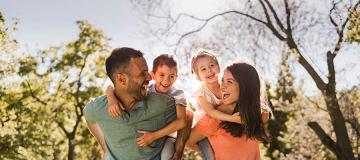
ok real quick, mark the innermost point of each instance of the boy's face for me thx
(164, 77)
(207, 70)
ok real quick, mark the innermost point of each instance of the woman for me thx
(240, 89)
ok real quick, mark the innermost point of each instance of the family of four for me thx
(136, 120)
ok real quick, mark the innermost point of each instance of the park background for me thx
(52, 63)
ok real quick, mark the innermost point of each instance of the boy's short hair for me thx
(119, 60)
(201, 53)
(164, 59)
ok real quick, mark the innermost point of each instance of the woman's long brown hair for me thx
(248, 104)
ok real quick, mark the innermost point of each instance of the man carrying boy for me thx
(128, 71)
(164, 74)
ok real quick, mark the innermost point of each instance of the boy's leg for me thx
(206, 150)
(169, 149)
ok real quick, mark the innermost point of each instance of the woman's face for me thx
(230, 89)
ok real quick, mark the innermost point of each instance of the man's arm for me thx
(97, 133)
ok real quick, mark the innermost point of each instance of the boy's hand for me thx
(145, 139)
(114, 110)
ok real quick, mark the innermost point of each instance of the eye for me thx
(172, 76)
(202, 69)
(212, 65)
(161, 75)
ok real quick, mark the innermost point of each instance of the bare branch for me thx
(325, 139)
(288, 18)
(207, 20)
(278, 22)
(315, 104)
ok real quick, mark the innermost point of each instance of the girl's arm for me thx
(177, 124)
(212, 112)
(113, 103)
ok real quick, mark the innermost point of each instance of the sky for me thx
(44, 23)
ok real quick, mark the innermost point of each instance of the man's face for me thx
(164, 77)
(138, 78)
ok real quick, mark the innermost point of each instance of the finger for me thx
(141, 132)
(236, 114)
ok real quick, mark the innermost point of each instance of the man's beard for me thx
(138, 91)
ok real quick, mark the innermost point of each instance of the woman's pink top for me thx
(227, 147)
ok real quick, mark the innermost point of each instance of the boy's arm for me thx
(182, 136)
(212, 112)
(113, 103)
(175, 125)
(96, 132)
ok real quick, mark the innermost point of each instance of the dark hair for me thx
(248, 104)
(119, 59)
(201, 53)
(164, 59)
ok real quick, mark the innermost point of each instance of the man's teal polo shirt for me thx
(120, 133)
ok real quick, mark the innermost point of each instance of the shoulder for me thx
(199, 91)
(96, 103)
(158, 97)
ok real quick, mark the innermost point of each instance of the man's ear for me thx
(121, 78)
(152, 74)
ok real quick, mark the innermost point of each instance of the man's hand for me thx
(146, 139)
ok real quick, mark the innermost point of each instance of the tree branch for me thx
(61, 125)
(278, 22)
(354, 124)
(33, 95)
(325, 139)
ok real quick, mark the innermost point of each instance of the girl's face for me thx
(207, 70)
(230, 90)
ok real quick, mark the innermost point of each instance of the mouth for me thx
(225, 95)
(211, 76)
(165, 85)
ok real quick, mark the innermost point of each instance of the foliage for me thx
(354, 27)
(42, 96)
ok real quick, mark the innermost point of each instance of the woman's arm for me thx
(212, 112)
(175, 125)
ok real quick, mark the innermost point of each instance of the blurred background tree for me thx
(43, 94)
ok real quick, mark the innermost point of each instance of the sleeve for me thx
(170, 112)
(89, 113)
(207, 125)
(179, 96)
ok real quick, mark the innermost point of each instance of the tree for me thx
(43, 95)
(275, 23)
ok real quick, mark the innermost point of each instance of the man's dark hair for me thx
(164, 59)
(119, 60)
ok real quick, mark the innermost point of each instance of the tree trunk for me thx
(338, 123)
(71, 149)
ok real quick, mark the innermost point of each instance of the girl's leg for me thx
(206, 150)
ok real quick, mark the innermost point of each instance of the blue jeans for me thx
(169, 148)
(206, 150)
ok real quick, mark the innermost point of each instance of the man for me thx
(128, 71)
